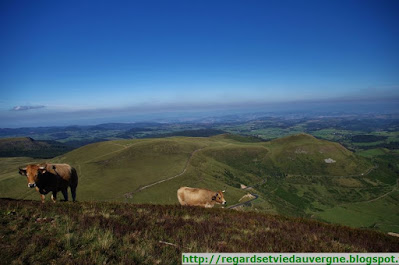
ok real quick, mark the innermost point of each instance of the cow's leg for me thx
(73, 191)
(42, 197)
(65, 193)
(54, 196)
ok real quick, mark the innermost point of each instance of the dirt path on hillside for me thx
(364, 174)
(257, 196)
(253, 194)
(90, 160)
(375, 199)
(130, 194)
(116, 151)
(383, 195)
(243, 203)
(368, 171)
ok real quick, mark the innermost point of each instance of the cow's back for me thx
(65, 171)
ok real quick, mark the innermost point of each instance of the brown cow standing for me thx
(199, 197)
(51, 178)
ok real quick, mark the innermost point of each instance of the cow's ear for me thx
(215, 196)
(42, 170)
(22, 171)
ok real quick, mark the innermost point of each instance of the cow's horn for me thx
(22, 171)
(42, 167)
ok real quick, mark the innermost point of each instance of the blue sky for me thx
(63, 60)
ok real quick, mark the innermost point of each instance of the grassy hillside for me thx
(114, 233)
(27, 147)
(290, 175)
(303, 154)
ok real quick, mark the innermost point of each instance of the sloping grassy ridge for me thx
(26, 146)
(110, 233)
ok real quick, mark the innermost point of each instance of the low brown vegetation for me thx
(102, 233)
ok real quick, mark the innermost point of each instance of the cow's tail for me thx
(74, 183)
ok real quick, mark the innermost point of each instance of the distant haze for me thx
(193, 113)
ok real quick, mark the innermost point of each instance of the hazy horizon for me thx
(38, 117)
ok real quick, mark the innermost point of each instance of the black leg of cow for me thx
(73, 191)
(65, 193)
(54, 196)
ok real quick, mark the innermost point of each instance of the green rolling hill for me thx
(297, 175)
(26, 146)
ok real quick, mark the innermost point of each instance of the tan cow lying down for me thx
(199, 197)
(51, 178)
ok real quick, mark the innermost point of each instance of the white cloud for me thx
(25, 108)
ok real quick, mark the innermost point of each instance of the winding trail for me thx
(93, 159)
(383, 195)
(256, 196)
(116, 151)
(130, 194)
(243, 203)
(368, 171)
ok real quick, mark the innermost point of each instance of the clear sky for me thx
(62, 60)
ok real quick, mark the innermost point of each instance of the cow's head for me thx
(219, 198)
(32, 173)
